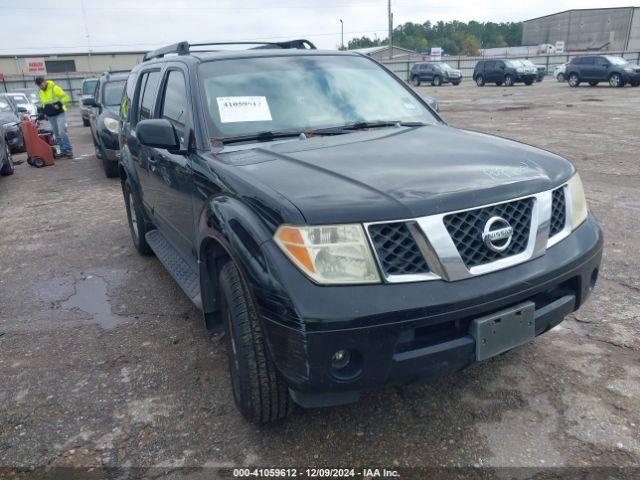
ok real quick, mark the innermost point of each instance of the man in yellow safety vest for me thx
(53, 100)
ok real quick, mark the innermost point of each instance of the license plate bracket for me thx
(501, 331)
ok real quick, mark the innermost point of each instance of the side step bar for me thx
(184, 276)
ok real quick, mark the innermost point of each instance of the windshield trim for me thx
(210, 128)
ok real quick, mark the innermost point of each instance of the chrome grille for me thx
(466, 230)
(558, 211)
(396, 249)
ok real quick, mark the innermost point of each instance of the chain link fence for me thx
(69, 82)
(467, 64)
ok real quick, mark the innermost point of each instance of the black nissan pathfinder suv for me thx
(341, 234)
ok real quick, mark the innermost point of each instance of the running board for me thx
(184, 276)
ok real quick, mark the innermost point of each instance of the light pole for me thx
(341, 35)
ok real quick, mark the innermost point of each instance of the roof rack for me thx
(184, 48)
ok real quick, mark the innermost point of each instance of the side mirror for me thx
(89, 102)
(158, 133)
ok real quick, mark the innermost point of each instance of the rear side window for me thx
(588, 61)
(148, 90)
(174, 104)
(490, 65)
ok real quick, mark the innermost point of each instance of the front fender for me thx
(229, 229)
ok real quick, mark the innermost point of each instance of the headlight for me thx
(578, 202)
(330, 255)
(628, 70)
(520, 70)
(112, 125)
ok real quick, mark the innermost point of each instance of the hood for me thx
(398, 173)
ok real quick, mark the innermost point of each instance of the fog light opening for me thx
(593, 279)
(346, 364)
(340, 359)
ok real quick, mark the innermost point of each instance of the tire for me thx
(7, 168)
(480, 81)
(528, 82)
(437, 81)
(574, 80)
(455, 84)
(38, 162)
(110, 168)
(508, 81)
(258, 390)
(635, 83)
(615, 80)
(415, 81)
(138, 226)
(593, 84)
(85, 122)
(499, 84)
(560, 77)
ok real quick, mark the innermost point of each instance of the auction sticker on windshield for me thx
(243, 109)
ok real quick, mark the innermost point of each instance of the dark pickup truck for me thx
(320, 213)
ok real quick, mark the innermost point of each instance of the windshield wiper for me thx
(260, 136)
(364, 125)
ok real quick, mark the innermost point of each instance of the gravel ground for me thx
(105, 364)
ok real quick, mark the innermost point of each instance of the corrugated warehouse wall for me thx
(606, 29)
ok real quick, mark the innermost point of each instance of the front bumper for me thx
(525, 77)
(402, 332)
(631, 77)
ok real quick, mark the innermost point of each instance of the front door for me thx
(172, 174)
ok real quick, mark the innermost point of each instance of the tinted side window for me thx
(175, 106)
(148, 95)
(127, 97)
(588, 61)
(490, 65)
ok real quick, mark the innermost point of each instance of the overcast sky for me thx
(54, 26)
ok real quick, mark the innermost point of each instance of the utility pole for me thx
(390, 28)
(341, 35)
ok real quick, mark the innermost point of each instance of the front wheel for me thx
(259, 392)
(480, 81)
(437, 81)
(7, 168)
(528, 82)
(85, 122)
(415, 80)
(136, 219)
(635, 83)
(574, 80)
(455, 84)
(615, 80)
(508, 81)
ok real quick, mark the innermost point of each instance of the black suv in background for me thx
(594, 69)
(10, 123)
(340, 233)
(104, 115)
(507, 72)
(435, 73)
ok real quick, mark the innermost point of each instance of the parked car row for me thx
(10, 115)
(591, 69)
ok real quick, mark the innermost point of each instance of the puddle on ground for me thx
(91, 297)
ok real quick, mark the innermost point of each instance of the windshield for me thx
(512, 63)
(617, 60)
(113, 93)
(446, 66)
(20, 99)
(88, 87)
(303, 93)
(4, 106)
(527, 63)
